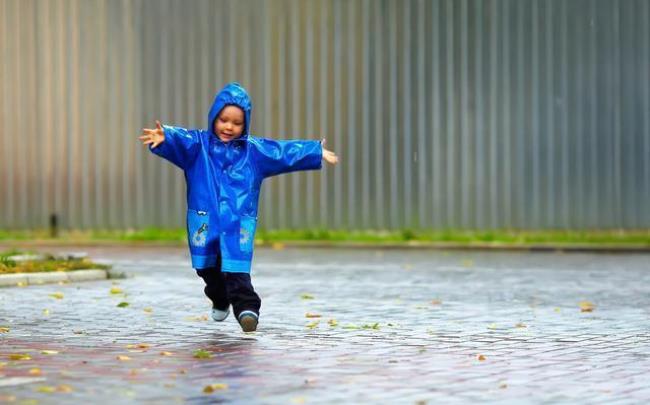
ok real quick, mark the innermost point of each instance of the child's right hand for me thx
(153, 136)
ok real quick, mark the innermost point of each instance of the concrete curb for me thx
(24, 279)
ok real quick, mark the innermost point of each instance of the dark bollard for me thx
(54, 228)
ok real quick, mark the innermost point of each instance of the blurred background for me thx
(451, 114)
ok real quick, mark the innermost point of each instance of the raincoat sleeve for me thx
(180, 146)
(283, 156)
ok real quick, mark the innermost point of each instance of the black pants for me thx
(225, 288)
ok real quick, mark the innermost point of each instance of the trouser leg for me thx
(241, 294)
(215, 286)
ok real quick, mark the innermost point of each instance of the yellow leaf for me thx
(202, 354)
(586, 306)
(208, 389)
(148, 310)
(307, 296)
(35, 371)
(557, 309)
(123, 358)
(46, 312)
(277, 246)
(116, 290)
(2, 364)
(3, 329)
(492, 326)
(298, 400)
(481, 357)
(64, 388)
(57, 295)
(332, 322)
(48, 389)
(312, 325)
(19, 356)
(166, 353)
(49, 352)
(312, 315)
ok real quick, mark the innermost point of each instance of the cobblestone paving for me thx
(395, 326)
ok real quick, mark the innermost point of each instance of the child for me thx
(224, 167)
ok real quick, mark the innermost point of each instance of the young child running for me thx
(224, 168)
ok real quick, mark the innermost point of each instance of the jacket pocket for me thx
(247, 233)
(198, 228)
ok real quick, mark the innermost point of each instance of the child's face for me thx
(229, 124)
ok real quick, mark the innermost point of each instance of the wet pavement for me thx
(349, 326)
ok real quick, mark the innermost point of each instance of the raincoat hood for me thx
(232, 94)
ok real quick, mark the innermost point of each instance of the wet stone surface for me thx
(394, 327)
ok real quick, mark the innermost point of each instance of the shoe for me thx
(220, 315)
(248, 321)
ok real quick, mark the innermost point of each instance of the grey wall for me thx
(468, 114)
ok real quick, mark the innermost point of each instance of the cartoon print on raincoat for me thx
(224, 180)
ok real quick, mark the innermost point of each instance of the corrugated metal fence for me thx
(456, 113)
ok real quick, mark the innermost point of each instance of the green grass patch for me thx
(48, 264)
(404, 236)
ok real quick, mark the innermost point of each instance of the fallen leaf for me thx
(468, 263)
(2, 364)
(307, 296)
(436, 302)
(57, 295)
(312, 325)
(492, 326)
(586, 306)
(298, 400)
(503, 386)
(35, 371)
(202, 354)
(332, 322)
(312, 315)
(166, 353)
(4, 329)
(48, 389)
(208, 389)
(148, 310)
(123, 358)
(143, 345)
(116, 290)
(49, 352)
(520, 325)
(481, 357)
(64, 388)
(407, 266)
(277, 246)
(19, 356)
(46, 312)
(557, 310)
(350, 326)
(371, 326)
(123, 304)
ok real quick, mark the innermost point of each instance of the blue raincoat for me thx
(224, 180)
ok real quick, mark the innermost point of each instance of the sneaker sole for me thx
(248, 324)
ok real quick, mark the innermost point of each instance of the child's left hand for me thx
(329, 156)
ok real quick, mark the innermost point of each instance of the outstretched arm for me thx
(284, 156)
(178, 145)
